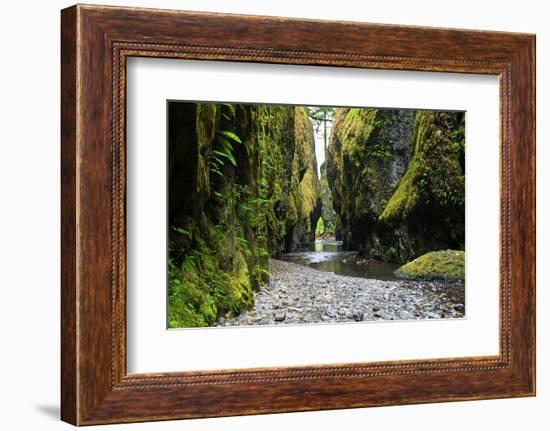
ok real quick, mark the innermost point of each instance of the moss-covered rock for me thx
(331, 221)
(368, 152)
(304, 199)
(443, 264)
(242, 187)
(427, 208)
(397, 181)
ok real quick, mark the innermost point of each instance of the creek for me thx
(328, 256)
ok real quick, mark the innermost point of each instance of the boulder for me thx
(442, 264)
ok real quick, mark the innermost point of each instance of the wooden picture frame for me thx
(95, 43)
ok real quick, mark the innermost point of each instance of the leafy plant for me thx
(181, 231)
(320, 228)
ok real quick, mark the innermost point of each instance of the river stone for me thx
(343, 304)
(405, 315)
(330, 312)
(280, 316)
(358, 315)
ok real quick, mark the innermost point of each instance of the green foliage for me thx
(397, 181)
(208, 283)
(181, 231)
(327, 211)
(307, 193)
(444, 264)
(221, 153)
(379, 152)
(230, 135)
(321, 117)
(256, 180)
(359, 162)
(434, 176)
(391, 252)
(320, 228)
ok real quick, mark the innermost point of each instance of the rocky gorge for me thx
(245, 194)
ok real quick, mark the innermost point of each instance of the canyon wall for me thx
(397, 181)
(243, 186)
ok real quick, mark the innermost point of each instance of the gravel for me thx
(299, 294)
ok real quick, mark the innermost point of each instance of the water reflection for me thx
(325, 255)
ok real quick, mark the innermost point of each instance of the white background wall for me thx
(29, 214)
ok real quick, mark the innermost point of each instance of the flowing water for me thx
(328, 256)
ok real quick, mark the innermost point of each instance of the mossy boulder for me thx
(242, 186)
(443, 264)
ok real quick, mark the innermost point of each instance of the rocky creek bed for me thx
(299, 294)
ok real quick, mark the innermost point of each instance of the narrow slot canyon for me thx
(288, 214)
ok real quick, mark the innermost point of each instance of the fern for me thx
(231, 135)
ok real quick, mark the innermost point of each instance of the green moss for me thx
(237, 292)
(367, 153)
(359, 164)
(301, 203)
(208, 284)
(444, 264)
(397, 181)
(328, 215)
(206, 127)
(434, 176)
(308, 193)
(254, 195)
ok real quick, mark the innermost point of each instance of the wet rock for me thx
(280, 316)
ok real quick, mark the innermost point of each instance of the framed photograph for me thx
(265, 214)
